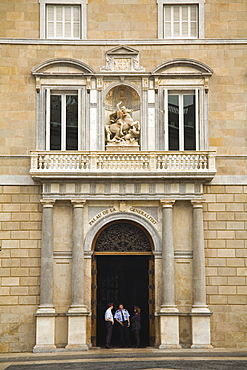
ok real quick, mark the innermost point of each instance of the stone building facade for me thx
(123, 171)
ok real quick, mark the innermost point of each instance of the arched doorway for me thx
(122, 272)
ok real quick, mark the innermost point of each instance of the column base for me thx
(44, 348)
(166, 309)
(77, 331)
(201, 346)
(169, 328)
(201, 335)
(73, 347)
(167, 346)
(45, 332)
(78, 309)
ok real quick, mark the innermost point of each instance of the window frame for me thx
(63, 93)
(43, 127)
(161, 20)
(43, 17)
(180, 22)
(181, 92)
(201, 116)
(55, 23)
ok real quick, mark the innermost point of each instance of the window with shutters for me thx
(178, 19)
(63, 19)
(63, 22)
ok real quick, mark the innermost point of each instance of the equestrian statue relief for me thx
(121, 126)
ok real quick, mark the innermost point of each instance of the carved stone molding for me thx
(122, 59)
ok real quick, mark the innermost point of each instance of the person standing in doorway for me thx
(109, 322)
(122, 316)
(136, 325)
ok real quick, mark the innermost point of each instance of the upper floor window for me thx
(64, 105)
(181, 121)
(180, 19)
(62, 120)
(182, 86)
(63, 19)
(63, 22)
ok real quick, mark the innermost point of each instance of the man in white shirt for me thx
(109, 321)
(122, 316)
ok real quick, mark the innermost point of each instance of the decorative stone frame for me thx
(161, 4)
(182, 74)
(122, 216)
(61, 75)
(127, 54)
(82, 3)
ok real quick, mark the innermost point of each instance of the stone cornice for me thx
(123, 42)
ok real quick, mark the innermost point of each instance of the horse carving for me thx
(122, 127)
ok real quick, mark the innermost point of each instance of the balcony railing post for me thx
(153, 161)
(211, 161)
(34, 161)
(93, 161)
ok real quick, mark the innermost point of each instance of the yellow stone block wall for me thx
(225, 19)
(20, 234)
(130, 19)
(225, 219)
(225, 216)
(19, 18)
(227, 92)
(225, 207)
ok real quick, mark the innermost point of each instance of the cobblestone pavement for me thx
(149, 359)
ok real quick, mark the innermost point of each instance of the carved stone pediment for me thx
(62, 67)
(183, 67)
(122, 59)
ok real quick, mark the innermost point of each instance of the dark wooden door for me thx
(122, 279)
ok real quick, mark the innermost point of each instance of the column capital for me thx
(48, 203)
(78, 203)
(167, 203)
(197, 203)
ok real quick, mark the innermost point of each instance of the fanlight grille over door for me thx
(123, 237)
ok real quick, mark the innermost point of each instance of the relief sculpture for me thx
(121, 128)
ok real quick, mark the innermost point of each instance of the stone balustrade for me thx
(186, 163)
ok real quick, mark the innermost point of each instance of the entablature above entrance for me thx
(129, 189)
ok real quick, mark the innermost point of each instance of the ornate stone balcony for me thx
(102, 164)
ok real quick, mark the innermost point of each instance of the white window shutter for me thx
(63, 21)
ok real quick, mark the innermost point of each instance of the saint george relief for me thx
(122, 118)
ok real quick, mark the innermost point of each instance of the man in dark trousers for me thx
(122, 316)
(136, 325)
(109, 321)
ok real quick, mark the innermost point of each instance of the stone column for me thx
(45, 315)
(77, 312)
(169, 319)
(200, 312)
